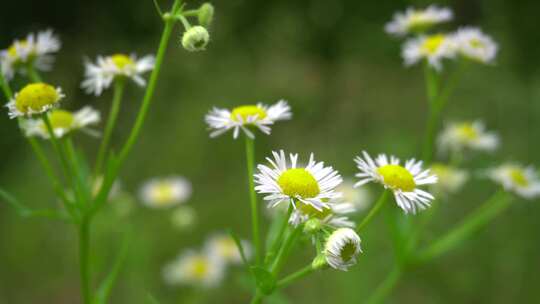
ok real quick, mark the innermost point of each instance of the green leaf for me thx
(266, 282)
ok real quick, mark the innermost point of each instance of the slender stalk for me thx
(56, 146)
(295, 276)
(374, 210)
(432, 89)
(5, 86)
(386, 287)
(84, 245)
(279, 237)
(285, 249)
(257, 298)
(250, 160)
(32, 73)
(119, 84)
(477, 219)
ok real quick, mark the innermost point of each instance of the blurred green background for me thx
(344, 79)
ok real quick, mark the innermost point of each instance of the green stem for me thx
(295, 276)
(119, 84)
(279, 237)
(477, 219)
(56, 146)
(32, 73)
(257, 298)
(285, 249)
(250, 160)
(374, 210)
(386, 287)
(84, 244)
(432, 89)
(5, 86)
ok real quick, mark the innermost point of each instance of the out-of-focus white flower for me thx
(360, 198)
(99, 76)
(403, 181)
(184, 217)
(195, 269)
(165, 192)
(433, 48)
(313, 185)
(450, 179)
(417, 21)
(522, 180)
(467, 135)
(473, 44)
(341, 248)
(243, 118)
(35, 49)
(62, 122)
(34, 98)
(222, 246)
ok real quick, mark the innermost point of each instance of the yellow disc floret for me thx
(244, 112)
(432, 43)
(312, 211)
(518, 176)
(61, 119)
(36, 97)
(467, 131)
(397, 177)
(122, 61)
(12, 50)
(163, 193)
(200, 267)
(298, 182)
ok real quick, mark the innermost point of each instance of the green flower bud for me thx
(319, 262)
(206, 14)
(195, 39)
(312, 225)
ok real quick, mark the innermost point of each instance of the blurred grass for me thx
(344, 79)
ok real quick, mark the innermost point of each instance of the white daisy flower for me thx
(402, 180)
(360, 198)
(35, 49)
(165, 192)
(524, 181)
(450, 179)
(341, 249)
(471, 135)
(245, 117)
(184, 217)
(312, 185)
(415, 21)
(33, 99)
(62, 122)
(196, 269)
(335, 215)
(224, 247)
(433, 48)
(100, 75)
(473, 44)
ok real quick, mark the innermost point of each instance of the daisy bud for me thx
(312, 225)
(206, 14)
(319, 262)
(341, 248)
(195, 39)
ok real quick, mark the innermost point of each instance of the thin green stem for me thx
(386, 287)
(56, 146)
(285, 249)
(295, 276)
(279, 237)
(432, 91)
(158, 8)
(494, 206)
(119, 84)
(185, 22)
(84, 245)
(5, 86)
(250, 160)
(374, 210)
(257, 298)
(32, 73)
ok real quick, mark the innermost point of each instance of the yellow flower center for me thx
(227, 247)
(61, 119)
(200, 267)
(432, 43)
(518, 176)
(477, 43)
(467, 131)
(247, 111)
(122, 61)
(312, 212)
(163, 193)
(35, 96)
(397, 177)
(298, 182)
(12, 50)
(348, 251)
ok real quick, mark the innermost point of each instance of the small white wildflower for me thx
(360, 198)
(450, 179)
(403, 181)
(195, 269)
(100, 75)
(62, 122)
(524, 181)
(471, 135)
(244, 117)
(165, 192)
(433, 48)
(473, 44)
(414, 20)
(223, 246)
(34, 98)
(341, 248)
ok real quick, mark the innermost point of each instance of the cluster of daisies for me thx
(467, 42)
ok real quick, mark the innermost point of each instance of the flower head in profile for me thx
(433, 48)
(62, 122)
(35, 49)
(523, 181)
(195, 38)
(34, 98)
(99, 76)
(417, 21)
(335, 215)
(246, 117)
(450, 179)
(195, 269)
(403, 181)
(468, 135)
(312, 186)
(341, 249)
(223, 247)
(473, 44)
(165, 192)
